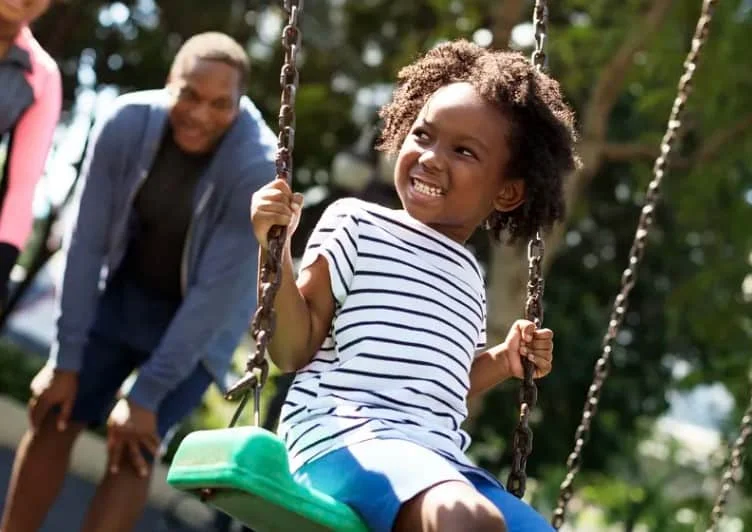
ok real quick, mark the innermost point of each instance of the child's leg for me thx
(452, 506)
(519, 516)
(120, 498)
(399, 485)
(38, 473)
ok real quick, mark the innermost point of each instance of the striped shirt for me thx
(410, 313)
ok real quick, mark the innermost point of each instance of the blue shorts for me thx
(128, 326)
(367, 477)
(106, 365)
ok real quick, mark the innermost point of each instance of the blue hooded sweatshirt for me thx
(218, 271)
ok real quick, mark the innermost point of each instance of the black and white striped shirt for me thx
(410, 314)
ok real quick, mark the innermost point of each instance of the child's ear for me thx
(511, 195)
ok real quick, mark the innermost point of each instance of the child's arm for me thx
(486, 371)
(304, 312)
(505, 360)
(304, 309)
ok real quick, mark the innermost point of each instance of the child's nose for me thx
(432, 159)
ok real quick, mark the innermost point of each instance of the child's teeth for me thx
(426, 189)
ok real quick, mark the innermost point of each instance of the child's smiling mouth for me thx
(426, 189)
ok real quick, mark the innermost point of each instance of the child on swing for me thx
(385, 325)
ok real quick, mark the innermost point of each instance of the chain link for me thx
(636, 253)
(270, 273)
(522, 439)
(728, 480)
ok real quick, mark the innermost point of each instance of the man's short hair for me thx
(213, 46)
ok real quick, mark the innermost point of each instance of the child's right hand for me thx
(275, 204)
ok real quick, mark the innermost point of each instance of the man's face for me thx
(206, 96)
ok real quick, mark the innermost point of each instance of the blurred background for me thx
(681, 364)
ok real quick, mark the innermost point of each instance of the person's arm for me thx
(30, 145)
(86, 246)
(304, 312)
(306, 307)
(8, 256)
(217, 306)
(486, 371)
(503, 361)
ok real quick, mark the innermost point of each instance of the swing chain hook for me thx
(629, 276)
(522, 439)
(270, 272)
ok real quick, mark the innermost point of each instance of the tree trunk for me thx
(506, 15)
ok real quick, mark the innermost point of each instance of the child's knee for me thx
(482, 518)
(450, 507)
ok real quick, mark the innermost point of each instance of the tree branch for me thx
(628, 151)
(721, 138)
(611, 80)
(506, 15)
(708, 150)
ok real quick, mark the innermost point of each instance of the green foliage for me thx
(17, 368)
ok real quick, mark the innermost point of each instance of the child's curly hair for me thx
(542, 138)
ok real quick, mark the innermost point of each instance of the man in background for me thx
(160, 278)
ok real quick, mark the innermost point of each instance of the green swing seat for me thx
(247, 471)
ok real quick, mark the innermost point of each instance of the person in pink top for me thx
(30, 101)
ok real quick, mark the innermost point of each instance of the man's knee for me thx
(45, 444)
(48, 434)
(451, 507)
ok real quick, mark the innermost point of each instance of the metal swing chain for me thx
(728, 480)
(629, 276)
(270, 273)
(522, 439)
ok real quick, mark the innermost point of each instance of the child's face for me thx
(20, 12)
(449, 172)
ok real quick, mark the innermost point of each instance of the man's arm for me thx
(86, 246)
(220, 302)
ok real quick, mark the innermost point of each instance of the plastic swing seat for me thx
(247, 471)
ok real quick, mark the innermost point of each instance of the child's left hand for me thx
(524, 341)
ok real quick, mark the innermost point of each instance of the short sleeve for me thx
(335, 237)
(482, 339)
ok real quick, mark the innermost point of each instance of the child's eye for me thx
(420, 134)
(466, 152)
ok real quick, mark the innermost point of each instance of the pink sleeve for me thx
(31, 143)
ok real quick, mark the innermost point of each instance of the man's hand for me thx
(52, 388)
(129, 429)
